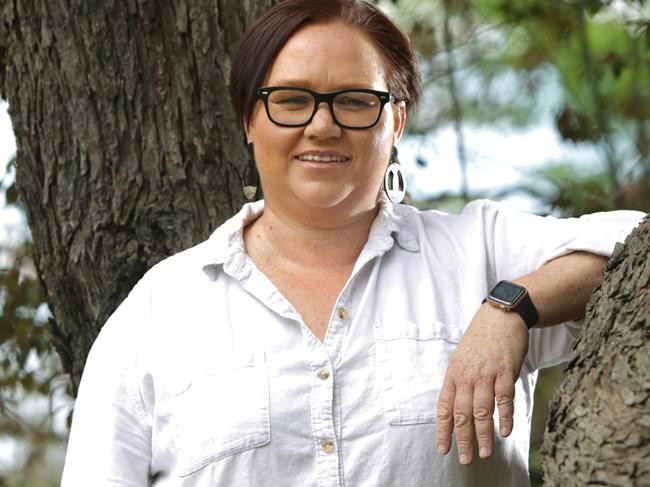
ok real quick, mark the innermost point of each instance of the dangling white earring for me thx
(394, 179)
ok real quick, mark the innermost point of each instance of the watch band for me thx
(528, 312)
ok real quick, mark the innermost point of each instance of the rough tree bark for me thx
(128, 147)
(598, 432)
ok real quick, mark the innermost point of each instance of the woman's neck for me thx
(315, 243)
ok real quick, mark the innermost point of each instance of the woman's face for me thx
(325, 58)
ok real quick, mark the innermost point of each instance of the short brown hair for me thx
(264, 40)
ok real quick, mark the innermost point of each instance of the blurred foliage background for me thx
(33, 388)
(485, 63)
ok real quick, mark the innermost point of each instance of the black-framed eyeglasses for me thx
(357, 108)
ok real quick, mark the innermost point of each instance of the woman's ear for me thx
(399, 120)
(247, 131)
(249, 124)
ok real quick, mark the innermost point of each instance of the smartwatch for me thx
(513, 297)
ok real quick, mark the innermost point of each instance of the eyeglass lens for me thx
(350, 108)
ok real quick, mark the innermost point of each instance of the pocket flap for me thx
(428, 330)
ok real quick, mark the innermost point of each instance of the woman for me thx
(327, 336)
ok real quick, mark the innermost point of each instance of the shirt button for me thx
(328, 446)
(343, 313)
(323, 374)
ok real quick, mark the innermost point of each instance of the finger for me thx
(463, 423)
(444, 418)
(483, 422)
(504, 391)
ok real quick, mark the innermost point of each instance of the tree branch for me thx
(457, 113)
(600, 113)
(3, 55)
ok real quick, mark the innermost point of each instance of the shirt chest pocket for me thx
(220, 413)
(412, 361)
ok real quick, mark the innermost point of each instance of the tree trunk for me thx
(128, 147)
(598, 432)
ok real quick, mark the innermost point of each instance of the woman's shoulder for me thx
(474, 212)
(178, 272)
(194, 262)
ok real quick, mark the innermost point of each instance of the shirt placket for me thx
(324, 405)
(326, 442)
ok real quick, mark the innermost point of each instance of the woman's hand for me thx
(488, 359)
(483, 369)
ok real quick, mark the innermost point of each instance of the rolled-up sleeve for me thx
(520, 243)
(110, 438)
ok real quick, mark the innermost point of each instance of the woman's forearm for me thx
(561, 288)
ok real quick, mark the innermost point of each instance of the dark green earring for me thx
(251, 179)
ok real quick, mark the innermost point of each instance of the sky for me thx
(499, 158)
(12, 224)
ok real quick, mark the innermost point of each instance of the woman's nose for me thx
(322, 125)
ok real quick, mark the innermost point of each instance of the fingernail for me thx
(484, 452)
(504, 431)
(464, 458)
(441, 449)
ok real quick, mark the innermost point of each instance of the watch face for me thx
(507, 293)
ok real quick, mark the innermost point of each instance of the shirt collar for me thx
(226, 244)
(395, 221)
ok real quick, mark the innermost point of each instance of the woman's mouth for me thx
(321, 158)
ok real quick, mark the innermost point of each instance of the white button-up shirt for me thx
(207, 376)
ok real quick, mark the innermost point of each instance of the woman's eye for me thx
(293, 101)
(353, 102)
